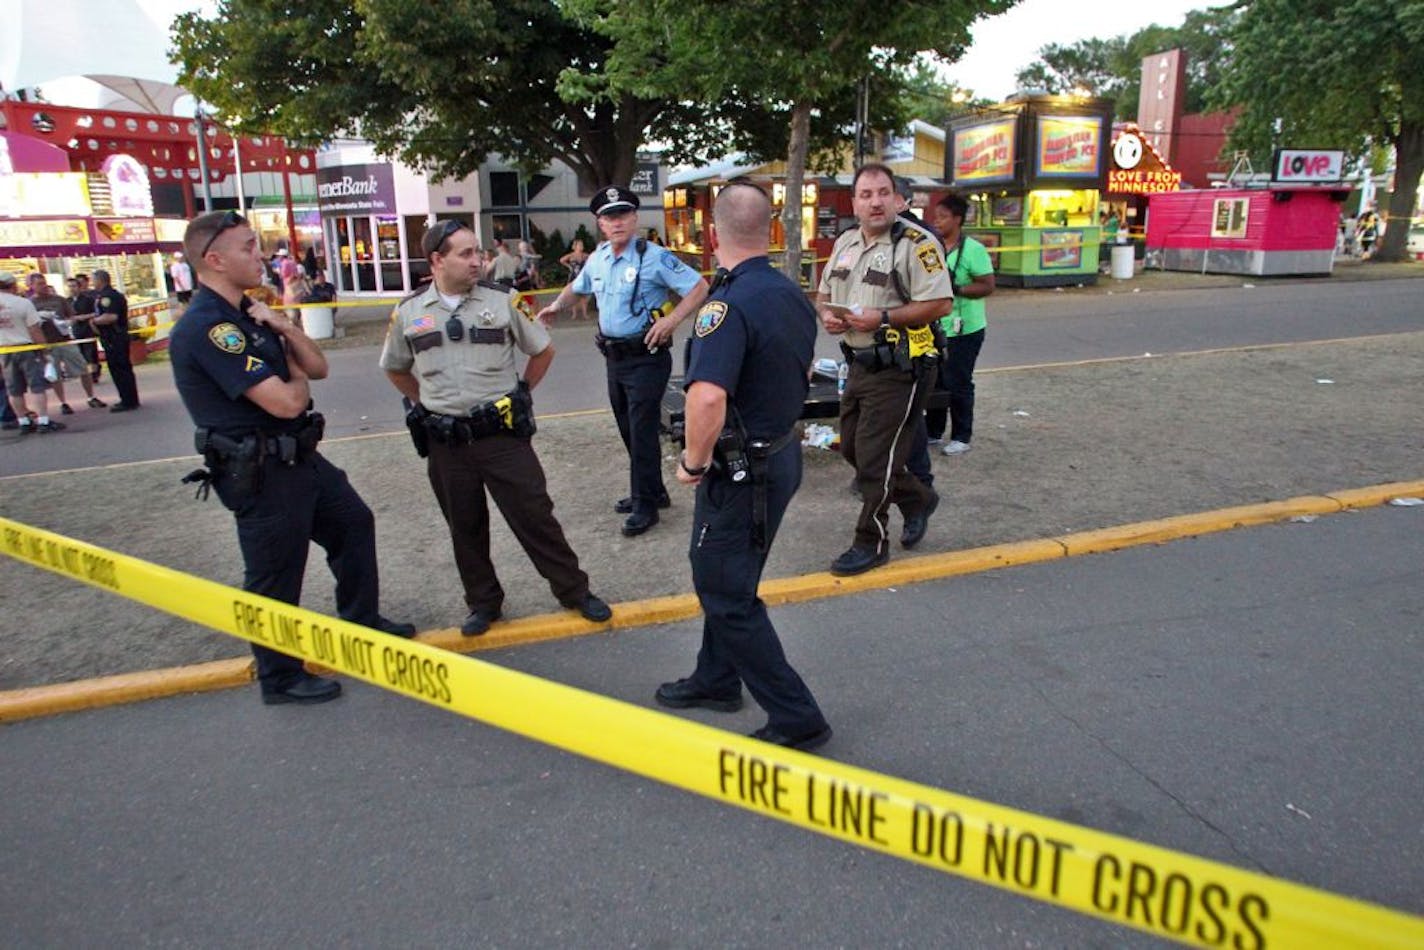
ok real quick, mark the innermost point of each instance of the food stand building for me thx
(1289, 226)
(1033, 169)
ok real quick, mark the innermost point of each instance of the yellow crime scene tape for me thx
(1169, 894)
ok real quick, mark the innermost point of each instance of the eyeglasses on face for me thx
(229, 221)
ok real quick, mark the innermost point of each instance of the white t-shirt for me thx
(17, 315)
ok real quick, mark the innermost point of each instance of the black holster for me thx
(415, 416)
(236, 463)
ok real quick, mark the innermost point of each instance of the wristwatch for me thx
(694, 472)
(885, 318)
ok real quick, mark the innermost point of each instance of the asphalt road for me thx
(1024, 329)
(1251, 697)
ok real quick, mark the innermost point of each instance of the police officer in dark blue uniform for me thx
(746, 384)
(632, 279)
(111, 319)
(243, 373)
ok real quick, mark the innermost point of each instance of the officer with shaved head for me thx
(747, 374)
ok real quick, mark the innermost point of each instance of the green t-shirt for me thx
(966, 262)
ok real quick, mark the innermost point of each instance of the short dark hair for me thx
(956, 204)
(872, 168)
(101, 274)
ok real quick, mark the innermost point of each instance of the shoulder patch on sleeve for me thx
(524, 303)
(929, 258)
(710, 317)
(228, 338)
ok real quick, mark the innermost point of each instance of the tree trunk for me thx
(1408, 163)
(795, 174)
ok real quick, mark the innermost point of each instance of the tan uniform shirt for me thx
(860, 273)
(455, 377)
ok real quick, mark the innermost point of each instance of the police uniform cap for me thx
(612, 200)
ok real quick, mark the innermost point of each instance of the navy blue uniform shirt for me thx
(754, 337)
(218, 353)
(110, 300)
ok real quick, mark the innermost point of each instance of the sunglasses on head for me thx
(228, 221)
(444, 231)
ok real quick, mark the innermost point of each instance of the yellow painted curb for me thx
(35, 701)
(1377, 494)
(1187, 526)
(38, 701)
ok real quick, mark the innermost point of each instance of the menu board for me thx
(985, 152)
(1069, 146)
(1060, 250)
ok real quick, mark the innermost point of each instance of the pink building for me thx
(1263, 231)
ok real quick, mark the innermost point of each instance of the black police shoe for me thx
(122, 407)
(386, 625)
(684, 694)
(624, 506)
(638, 522)
(592, 607)
(479, 620)
(805, 741)
(916, 525)
(306, 691)
(858, 560)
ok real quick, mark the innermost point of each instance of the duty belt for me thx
(512, 412)
(239, 458)
(617, 348)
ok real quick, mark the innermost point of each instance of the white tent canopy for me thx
(47, 40)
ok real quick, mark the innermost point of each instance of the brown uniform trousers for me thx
(506, 465)
(879, 412)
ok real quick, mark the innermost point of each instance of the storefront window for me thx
(1062, 209)
(506, 227)
(388, 246)
(363, 252)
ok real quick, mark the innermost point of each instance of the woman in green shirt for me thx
(972, 273)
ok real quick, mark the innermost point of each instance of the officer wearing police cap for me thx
(450, 352)
(244, 373)
(746, 384)
(633, 282)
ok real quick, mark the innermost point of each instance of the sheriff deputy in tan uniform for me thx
(450, 352)
(884, 284)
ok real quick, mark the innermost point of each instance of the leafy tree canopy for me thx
(1112, 67)
(441, 91)
(787, 57)
(1334, 74)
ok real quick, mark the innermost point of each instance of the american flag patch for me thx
(422, 324)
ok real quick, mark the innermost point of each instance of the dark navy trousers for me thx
(738, 641)
(298, 504)
(635, 391)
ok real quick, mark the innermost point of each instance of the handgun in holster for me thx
(415, 415)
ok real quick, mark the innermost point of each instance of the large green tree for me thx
(1112, 67)
(441, 86)
(781, 55)
(1335, 73)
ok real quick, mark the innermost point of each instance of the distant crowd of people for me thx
(61, 336)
